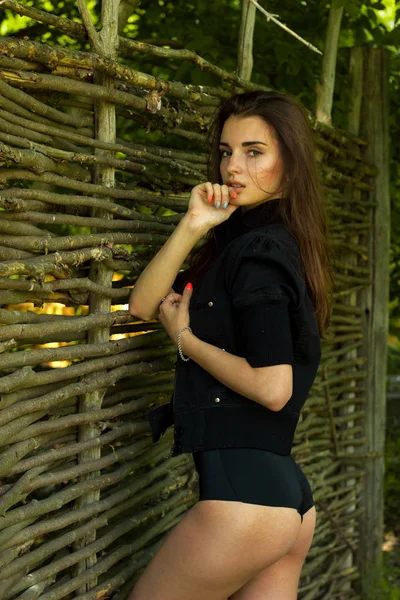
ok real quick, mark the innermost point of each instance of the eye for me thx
(224, 153)
(254, 152)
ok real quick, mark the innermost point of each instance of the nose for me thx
(234, 164)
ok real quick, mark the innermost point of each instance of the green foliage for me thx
(382, 583)
(392, 479)
(390, 574)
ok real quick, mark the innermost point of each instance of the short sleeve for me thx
(265, 287)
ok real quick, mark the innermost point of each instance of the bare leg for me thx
(280, 581)
(215, 549)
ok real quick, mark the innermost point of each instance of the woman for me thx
(248, 340)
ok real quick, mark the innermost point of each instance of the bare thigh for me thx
(215, 549)
(280, 581)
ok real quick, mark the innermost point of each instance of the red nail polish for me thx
(188, 286)
(210, 198)
(234, 194)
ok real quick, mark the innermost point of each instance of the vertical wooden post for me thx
(105, 43)
(375, 128)
(245, 47)
(326, 86)
(356, 82)
(352, 259)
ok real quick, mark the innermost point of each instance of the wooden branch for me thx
(9, 228)
(15, 131)
(63, 325)
(17, 63)
(12, 254)
(50, 401)
(17, 136)
(284, 27)
(126, 46)
(19, 378)
(7, 345)
(112, 504)
(89, 159)
(13, 397)
(356, 82)
(70, 450)
(57, 244)
(39, 163)
(78, 419)
(75, 337)
(51, 55)
(27, 102)
(80, 351)
(30, 118)
(56, 264)
(245, 47)
(91, 32)
(125, 10)
(28, 377)
(172, 506)
(11, 198)
(15, 317)
(29, 128)
(68, 26)
(51, 287)
(142, 226)
(58, 499)
(325, 87)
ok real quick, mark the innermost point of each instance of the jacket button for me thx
(217, 400)
(211, 304)
(178, 430)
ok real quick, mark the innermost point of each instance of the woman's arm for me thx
(270, 386)
(156, 279)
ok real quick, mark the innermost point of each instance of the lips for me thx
(236, 186)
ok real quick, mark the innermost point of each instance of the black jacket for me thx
(252, 302)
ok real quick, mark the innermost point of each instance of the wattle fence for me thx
(85, 497)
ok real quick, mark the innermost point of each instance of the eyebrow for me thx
(243, 144)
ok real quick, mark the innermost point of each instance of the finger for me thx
(217, 195)
(187, 294)
(232, 192)
(172, 297)
(210, 191)
(224, 196)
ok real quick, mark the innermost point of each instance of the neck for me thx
(248, 207)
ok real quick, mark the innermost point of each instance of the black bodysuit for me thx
(253, 476)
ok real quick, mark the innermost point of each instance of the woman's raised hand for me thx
(210, 205)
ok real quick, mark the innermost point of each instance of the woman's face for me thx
(250, 156)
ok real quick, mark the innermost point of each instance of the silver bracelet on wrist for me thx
(180, 345)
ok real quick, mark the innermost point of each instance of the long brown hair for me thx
(303, 212)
